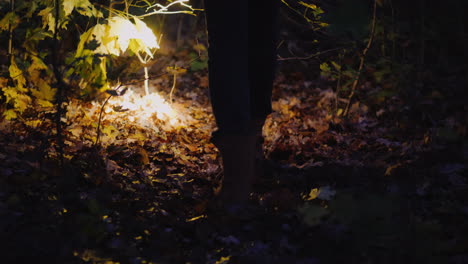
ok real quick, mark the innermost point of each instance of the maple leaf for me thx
(45, 94)
(84, 7)
(68, 6)
(146, 37)
(17, 75)
(122, 30)
(22, 102)
(48, 20)
(10, 114)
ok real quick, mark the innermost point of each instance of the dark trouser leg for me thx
(241, 70)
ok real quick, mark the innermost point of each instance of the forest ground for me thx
(388, 184)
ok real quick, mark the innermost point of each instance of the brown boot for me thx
(238, 154)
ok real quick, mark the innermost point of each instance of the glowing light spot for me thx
(144, 110)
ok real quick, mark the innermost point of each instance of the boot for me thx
(238, 155)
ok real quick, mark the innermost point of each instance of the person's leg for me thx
(230, 95)
(240, 55)
(228, 64)
(263, 32)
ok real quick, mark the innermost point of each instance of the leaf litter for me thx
(363, 186)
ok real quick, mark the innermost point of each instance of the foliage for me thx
(83, 66)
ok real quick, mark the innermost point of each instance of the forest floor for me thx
(388, 184)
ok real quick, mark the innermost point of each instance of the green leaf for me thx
(199, 65)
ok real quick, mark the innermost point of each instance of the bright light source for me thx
(144, 110)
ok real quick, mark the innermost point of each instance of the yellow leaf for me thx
(123, 30)
(146, 35)
(17, 75)
(10, 93)
(100, 33)
(48, 20)
(223, 260)
(313, 194)
(10, 114)
(44, 94)
(85, 8)
(137, 37)
(199, 47)
(47, 92)
(10, 21)
(44, 103)
(175, 70)
(33, 123)
(109, 130)
(68, 6)
(22, 102)
(312, 6)
(76, 131)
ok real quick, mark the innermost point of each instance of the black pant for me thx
(242, 43)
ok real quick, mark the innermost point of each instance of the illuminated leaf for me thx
(10, 93)
(33, 123)
(44, 94)
(84, 7)
(38, 64)
(223, 260)
(35, 69)
(22, 102)
(123, 30)
(311, 6)
(68, 6)
(85, 37)
(313, 194)
(10, 114)
(17, 75)
(76, 131)
(176, 70)
(100, 33)
(48, 20)
(146, 36)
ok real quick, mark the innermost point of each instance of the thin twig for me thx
(338, 83)
(362, 59)
(60, 85)
(10, 30)
(173, 86)
(98, 132)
